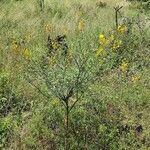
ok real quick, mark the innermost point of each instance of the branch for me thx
(43, 93)
(117, 9)
(78, 98)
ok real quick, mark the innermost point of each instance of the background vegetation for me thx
(74, 75)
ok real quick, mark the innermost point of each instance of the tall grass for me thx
(112, 112)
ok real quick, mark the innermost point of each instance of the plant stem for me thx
(67, 127)
(117, 9)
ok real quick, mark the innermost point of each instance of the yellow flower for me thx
(116, 44)
(54, 45)
(124, 66)
(135, 78)
(101, 36)
(26, 53)
(122, 29)
(100, 51)
(102, 39)
(81, 25)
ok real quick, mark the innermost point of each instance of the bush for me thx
(82, 87)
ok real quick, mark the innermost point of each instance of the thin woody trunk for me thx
(67, 127)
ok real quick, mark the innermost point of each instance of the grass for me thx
(113, 111)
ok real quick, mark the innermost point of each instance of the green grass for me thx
(112, 106)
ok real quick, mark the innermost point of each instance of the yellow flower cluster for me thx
(135, 78)
(110, 41)
(81, 25)
(26, 53)
(121, 29)
(54, 45)
(116, 44)
(124, 66)
(102, 39)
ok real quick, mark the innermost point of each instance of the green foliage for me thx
(9, 100)
(73, 81)
(5, 128)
